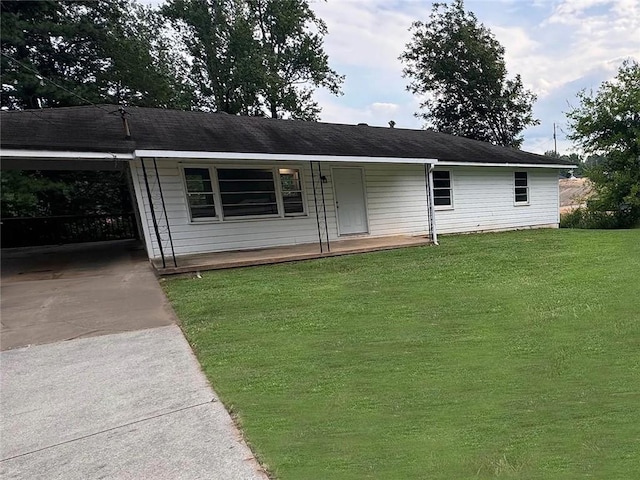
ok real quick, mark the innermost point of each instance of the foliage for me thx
(71, 53)
(457, 63)
(607, 123)
(356, 366)
(589, 218)
(573, 158)
(50, 193)
(255, 57)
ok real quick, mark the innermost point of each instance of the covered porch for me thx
(266, 256)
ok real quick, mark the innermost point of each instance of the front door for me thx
(349, 191)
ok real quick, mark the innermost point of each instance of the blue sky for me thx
(558, 47)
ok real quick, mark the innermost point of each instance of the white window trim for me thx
(451, 188)
(521, 204)
(217, 197)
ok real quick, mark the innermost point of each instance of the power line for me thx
(41, 77)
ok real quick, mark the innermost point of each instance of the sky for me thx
(559, 47)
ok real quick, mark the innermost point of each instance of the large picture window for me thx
(247, 192)
(521, 188)
(244, 192)
(442, 191)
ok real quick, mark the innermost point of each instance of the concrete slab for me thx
(51, 294)
(128, 405)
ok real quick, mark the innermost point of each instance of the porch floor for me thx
(264, 256)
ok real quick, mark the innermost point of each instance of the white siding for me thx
(483, 199)
(395, 197)
(395, 201)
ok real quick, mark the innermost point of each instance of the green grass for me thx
(510, 355)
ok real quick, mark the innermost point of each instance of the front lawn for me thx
(511, 355)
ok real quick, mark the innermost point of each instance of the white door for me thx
(349, 191)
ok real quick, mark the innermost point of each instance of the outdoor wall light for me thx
(324, 179)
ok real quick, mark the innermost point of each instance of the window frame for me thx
(217, 194)
(516, 187)
(444, 207)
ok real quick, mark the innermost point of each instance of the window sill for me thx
(521, 204)
(443, 208)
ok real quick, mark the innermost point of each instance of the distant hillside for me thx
(574, 193)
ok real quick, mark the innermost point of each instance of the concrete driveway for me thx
(127, 405)
(51, 294)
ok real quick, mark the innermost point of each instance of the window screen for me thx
(200, 192)
(291, 186)
(521, 187)
(442, 188)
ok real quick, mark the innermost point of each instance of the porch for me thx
(265, 256)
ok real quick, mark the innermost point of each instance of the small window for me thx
(291, 186)
(200, 193)
(442, 189)
(247, 192)
(521, 187)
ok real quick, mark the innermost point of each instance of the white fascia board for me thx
(444, 163)
(274, 157)
(52, 154)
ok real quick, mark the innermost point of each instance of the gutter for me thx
(66, 155)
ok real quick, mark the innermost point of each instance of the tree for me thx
(607, 124)
(293, 58)
(457, 63)
(71, 53)
(254, 57)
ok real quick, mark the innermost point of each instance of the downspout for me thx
(315, 201)
(153, 213)
(324, 207)
(164, 209)
(428, 171)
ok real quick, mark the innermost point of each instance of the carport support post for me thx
(164, 209)
(428, 174)
(315, 201)
(153, 213)
(324, 207)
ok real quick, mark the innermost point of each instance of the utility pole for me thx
(555, 142)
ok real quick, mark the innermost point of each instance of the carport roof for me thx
(100, 129)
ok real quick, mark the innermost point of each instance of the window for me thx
(521, 188)
(442, 189)
(247, 192)
(291, 191)
(200, 192)
(244, 192)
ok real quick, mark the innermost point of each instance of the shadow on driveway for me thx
(50, 294)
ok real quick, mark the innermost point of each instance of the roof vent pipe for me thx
(392, 124)
(125, 123)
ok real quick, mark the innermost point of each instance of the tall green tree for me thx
(458, 65)
(255, 57)
(607, 123)
(290, 38)
(70, 53)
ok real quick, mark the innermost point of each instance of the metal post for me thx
(428, 176)
(324, 207)
(153, 213)
(315, 201)
(164, 209)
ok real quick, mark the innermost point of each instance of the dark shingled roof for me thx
(100, 129)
